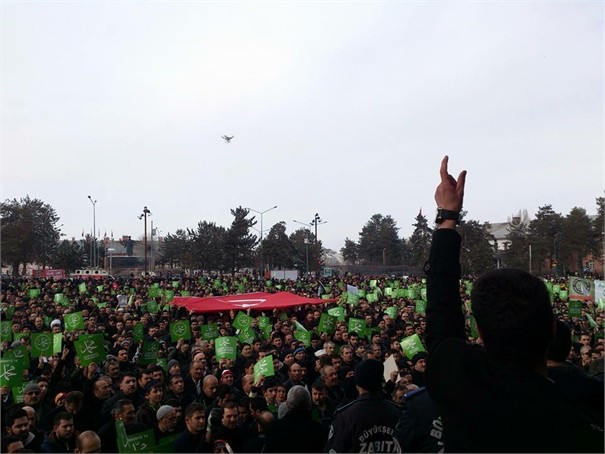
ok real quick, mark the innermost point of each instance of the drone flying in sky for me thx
(228, 138)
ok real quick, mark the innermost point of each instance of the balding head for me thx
(264, 419)
(88, 441)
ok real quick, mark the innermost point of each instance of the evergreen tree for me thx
(543, 233)
(350, 252)
(379, 241)
(419, 243)
(516, 254)
(577, 239)
(277, 249)
(478, 253)
(239, 244)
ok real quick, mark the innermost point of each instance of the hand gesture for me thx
(450, 192)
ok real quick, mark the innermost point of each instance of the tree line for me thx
(556, 242)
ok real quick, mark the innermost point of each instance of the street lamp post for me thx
(93, 259)
(316, 220)
(262, 258)
(141, 216)
(307, 253)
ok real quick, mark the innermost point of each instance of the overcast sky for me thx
(339, 108)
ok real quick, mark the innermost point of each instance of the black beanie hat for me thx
(368, 375)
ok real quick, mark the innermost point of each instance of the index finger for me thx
(443, 170)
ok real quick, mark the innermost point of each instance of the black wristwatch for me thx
(443, 214)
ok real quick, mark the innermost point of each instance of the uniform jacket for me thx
(420, 428)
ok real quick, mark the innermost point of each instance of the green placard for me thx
(303, 336)
(138, 332)
(411, 293)
(373, 283)
(575, 308)
(100, 288)
(372, 297)
(388, 291)
(353, 298)
(33, 293)
(138, 442)
(266, 332)
(299, 327)
(209, 331)
(412, 345)
(473, 324)
(180, 330)
(57, 343)
(185, 293)
(358, 325)
(90, 349)
(153, 292)
(327, 323)
(391, 311)
(41, 345)
(225, 347)
(563, 295)
(82, 288)
(421, 306)
(338, 312)
(423, 293)
(264, 367)
(18, 392)
(10, 372)
(242, 321)
(73, 321)
(175, 284)
(152, 307)
(169, 294)
(58, 297)
(246, 336)
(149, 352)
(6, 331)
(20, 354)
(263, 321)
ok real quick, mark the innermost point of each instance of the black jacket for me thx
(420, 428)
(487, 406)
(365, 425)
(296, 432)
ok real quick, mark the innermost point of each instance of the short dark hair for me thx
(194, 407)
(62, 416)
(258, 403)
(12, 413)
(514, 316)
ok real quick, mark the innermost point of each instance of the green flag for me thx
(423, 293)
(209, 331)
(358, 325)
(327, 323)
(303, 336)
(242, 321)
(412, 345)
(299, 326)
(175, 284)
(41, 345)
(266, 332)
(58, 298)
(100, 288)
(474, 330)
(264, 367)
(73, 321)
(353, 298)
(90, 349)
(6, 331)
(57, 343)
(373, 283)
(388, 291)
(225, 347)
(82, 288)
(153, 292)
(139, 442)
(149, 352)
(575, 308)
(563, 295)
(411, 293)
(372, 297)
(169, 294)
(180, 329)
(10, 372)
(263, 321)
(152, 307)
(18, 392)
(591, 322)
(33, 293)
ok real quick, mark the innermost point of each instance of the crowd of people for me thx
(327, 394)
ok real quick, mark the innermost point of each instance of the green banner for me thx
(575, 308)
(41, 345)
(242, 321)
(138, 442)
(338, 312)
(180, 330)
(18, 392)
(327, 323)
(264, 367)
(209, 331)
(225, 347)
(149, 352)
(412, 345)
(73, 321)
(10, 372)
(90, 349)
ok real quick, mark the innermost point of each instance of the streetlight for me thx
(141, 216)
(307, 242)
(110, 250)
(262, 259)
(316, 220)
(93, 260)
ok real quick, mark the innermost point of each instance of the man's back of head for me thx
(514, 316)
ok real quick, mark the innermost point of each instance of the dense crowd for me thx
(186, 399)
